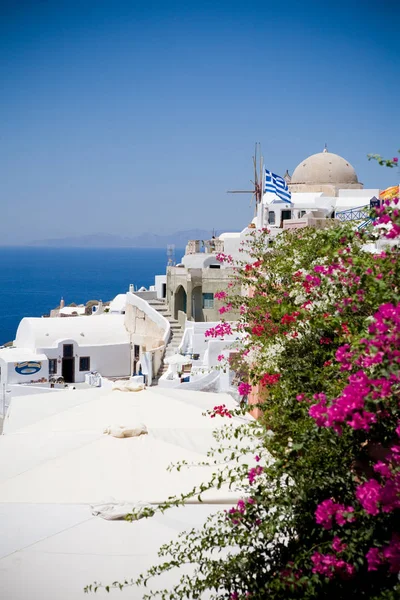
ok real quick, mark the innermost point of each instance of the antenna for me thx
(257, 191)
(171, 255)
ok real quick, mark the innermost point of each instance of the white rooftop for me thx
(85, 331)
(118, 304)
(55, 461)
(20, 355)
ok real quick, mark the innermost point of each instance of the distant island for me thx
(109, 240)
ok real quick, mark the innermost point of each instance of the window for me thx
(68, 351)
(84, 363)
(271, 217)
(52, 366)
(208, 300)
(215, 266)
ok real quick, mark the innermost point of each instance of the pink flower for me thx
(224, 258)
(392, 554)
(220, 357)
(337, 545)
(329, 510)
(253, 473)
(329, 565)
(395, 159)
(374, 559)
(220, 295)
(225, 308)
(369, 495)
(383, 469)
(219, 330)
(244, 389)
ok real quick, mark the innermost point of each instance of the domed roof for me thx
(324, 167)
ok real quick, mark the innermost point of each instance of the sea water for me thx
(32, 280)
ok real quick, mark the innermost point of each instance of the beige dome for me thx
(324, 168)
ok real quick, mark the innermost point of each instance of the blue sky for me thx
(125, 117)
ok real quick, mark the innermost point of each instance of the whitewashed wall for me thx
(159, 280)
(111, 360)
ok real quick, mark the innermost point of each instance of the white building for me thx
(325, 183)
(74, 347)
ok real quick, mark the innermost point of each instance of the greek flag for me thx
(277, 185)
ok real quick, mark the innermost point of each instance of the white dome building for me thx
(324, 172)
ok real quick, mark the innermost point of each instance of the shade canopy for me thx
(178, 359)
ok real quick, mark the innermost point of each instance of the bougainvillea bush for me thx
(319, 514)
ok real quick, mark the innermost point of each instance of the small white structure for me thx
(160, 286)
(117, 306)
(18, 365)
(72, 311)
(77, 346)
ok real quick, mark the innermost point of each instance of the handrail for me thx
(353, 214)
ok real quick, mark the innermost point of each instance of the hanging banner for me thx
(390, 192)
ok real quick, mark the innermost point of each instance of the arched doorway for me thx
(180, 301)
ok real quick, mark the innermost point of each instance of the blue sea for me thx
(32, 280)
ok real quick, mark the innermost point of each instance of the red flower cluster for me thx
(270, 379)
(289, 318)
(220, 410)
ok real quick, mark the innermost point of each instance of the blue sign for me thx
(28, 367)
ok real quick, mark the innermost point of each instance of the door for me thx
(136, 356)
(68, 363)
(285, 216)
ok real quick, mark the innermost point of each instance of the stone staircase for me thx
(175, 337)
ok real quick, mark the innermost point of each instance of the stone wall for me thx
(142, 330)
